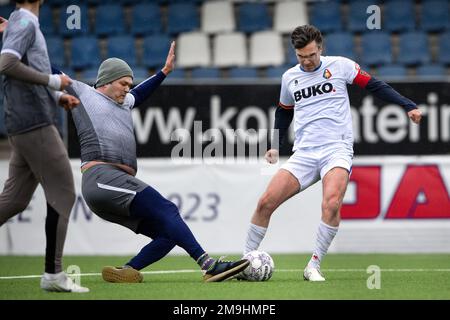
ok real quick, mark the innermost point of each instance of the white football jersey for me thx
(320, 101)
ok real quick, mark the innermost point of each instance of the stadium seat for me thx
(146, 19)
(326, 16)
(230, 50)
(56, 3)
(85, 52)
(288, 15)
(444, 48)
(435, 15)
(89, 75)
(182, 17)
(414, 48)
(276, 72)
(66, 20)
(140, 74)
(376, 48)
(218, 16)
(177, 74)
(193, 50)
(155, 49)
(339, 44)
(391, 71)
(109, 20)
(178, 1)
(400, 15)
(122, 47)
(266, 49)
(56, 53)
(203, 73)
(291, 56)
(431, 71)
(253, 16)
(246, 72)
(46, 20)
(357, 19)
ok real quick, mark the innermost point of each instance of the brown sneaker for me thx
(121, 275)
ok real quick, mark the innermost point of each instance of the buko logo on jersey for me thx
(313, 91)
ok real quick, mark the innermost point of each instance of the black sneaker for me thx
(222, 270)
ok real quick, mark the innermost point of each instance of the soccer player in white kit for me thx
(314, 94)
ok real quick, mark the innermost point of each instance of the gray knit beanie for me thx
(112, 69)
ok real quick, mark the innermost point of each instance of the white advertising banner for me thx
(392, 204)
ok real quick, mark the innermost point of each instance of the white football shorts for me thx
(311, 164)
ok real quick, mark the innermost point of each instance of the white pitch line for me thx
(99, 274)
(195, 271)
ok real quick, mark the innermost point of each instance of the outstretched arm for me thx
(145, 89)
(11, 65)
(383, 91)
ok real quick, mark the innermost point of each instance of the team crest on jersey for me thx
(327, 74)
(295, 82)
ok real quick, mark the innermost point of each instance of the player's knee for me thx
(266, 205)
(70, 197)
(331, 204)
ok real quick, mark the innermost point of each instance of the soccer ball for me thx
(260, 268)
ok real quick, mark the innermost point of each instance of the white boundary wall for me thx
(220, 200)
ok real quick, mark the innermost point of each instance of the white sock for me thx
(325, 235)
(255, 235)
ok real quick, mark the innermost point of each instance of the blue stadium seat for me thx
(179, 1)
(146, 19)
(392, 71)
(253, 16)
(357, 20)
(414, 48)
(326, 16)
(155, 50)
(46, 20)
(435, 15)
(176, 74)
(85, 52)
(97, 2)
(140, 74)
(199, 73)
(245, 72)
(340, 44)
(66, 20)
(276, 72)
(109, 20)
(431, 70)
(444, 48)
(122, 47)
(291, 56)
(376, 48)
(399, 15)
(56, 3)
(90, 75)
(56, 53)
(182, 17)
